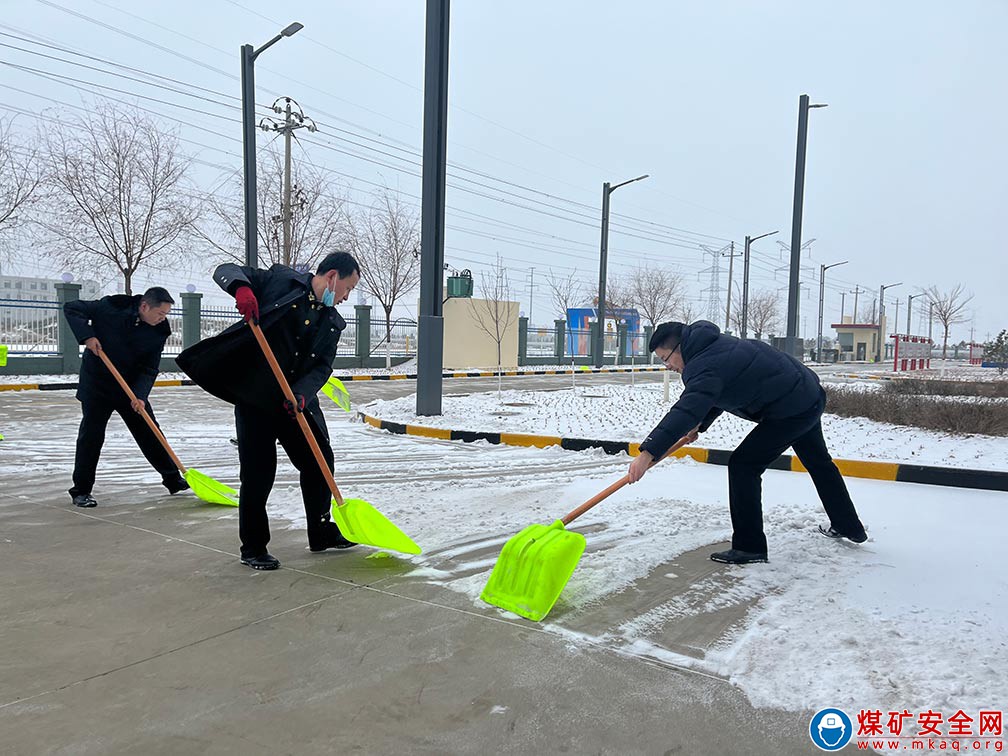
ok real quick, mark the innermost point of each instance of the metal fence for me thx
(541, 342)
(29, 327)
(403, 338)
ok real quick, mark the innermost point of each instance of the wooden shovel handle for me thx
(143, 412)
(568, 519)
(285, 387)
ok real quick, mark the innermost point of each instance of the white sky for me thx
(906, 167)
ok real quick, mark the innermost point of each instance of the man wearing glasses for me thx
(756, 382)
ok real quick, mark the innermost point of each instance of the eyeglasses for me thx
(666, 358)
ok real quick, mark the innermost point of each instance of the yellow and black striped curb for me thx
(990, 480)
(360, 377)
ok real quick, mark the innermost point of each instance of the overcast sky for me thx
(906, 173)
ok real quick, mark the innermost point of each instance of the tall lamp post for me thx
(248, 56)
(822, 292)
(745, 281)
(881, 319)
(603, 259)
(796, 223)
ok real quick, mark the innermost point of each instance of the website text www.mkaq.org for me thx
(894, 731)
(931, 744)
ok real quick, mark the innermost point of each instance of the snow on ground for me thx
(628, 413)
(917, 617)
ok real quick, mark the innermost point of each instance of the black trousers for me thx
(763, 445)
(91, 437)
(258, 432)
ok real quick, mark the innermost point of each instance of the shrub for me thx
(984, 415)
(928, 387)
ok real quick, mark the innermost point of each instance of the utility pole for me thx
(293, 120)
(731, 266)
(857, 290)
(896, 316)
(930, 318)
(607, 189)
(430, 317)
(910, 299)
(791, 341)
(248, 57)
(880, 353)
(822, 293)
(745, 281)
(843, 305)
(531, 291)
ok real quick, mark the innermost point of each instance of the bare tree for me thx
(385, 239)
(493, 311)
(565, 292)
(764, 312)
(949, 308)
(118, 198)
(688, 310)
(655, 293)
(317, 222)
(735, 313)
(20, 179)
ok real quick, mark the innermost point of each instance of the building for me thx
(858, 342)
(29, 289)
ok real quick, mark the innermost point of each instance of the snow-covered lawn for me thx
(627, 413)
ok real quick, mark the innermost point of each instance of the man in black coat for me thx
(752, 380)
(298, 315)
(132, 331)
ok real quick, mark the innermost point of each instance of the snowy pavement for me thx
(916, 618)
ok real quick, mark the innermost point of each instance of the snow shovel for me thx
(336, 391)
(358, 521)
(203, 486)
(535, 565)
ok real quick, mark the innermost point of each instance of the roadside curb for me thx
(990, 480)
(359, 377)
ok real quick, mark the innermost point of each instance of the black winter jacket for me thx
(133, 346)
(746, 378)
(231, 365)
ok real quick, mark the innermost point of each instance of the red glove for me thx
(247, 304)
(294, 407)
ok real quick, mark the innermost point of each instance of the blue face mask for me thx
(328, 297)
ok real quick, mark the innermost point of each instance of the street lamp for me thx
(600, 334)
(822, 291)
(881, 318)
(248, 56)
(745, 281)
(796, 221)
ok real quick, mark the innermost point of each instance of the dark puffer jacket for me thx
(133, 346)
(746, 378)
(231, 365)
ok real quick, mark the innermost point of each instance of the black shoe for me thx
(264, 561)
(84, 500)
(834, 533)
(737, 556)
(327, 536)
(176, 484)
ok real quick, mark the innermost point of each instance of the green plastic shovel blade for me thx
(209, 489)
(360, 522)
(532, 570)
(336, 391)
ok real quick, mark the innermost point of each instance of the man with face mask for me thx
(297, 312)
(132, 331)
